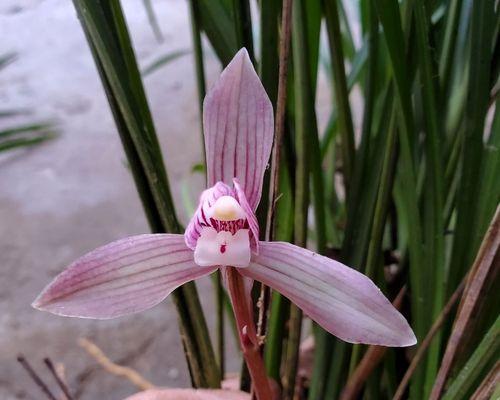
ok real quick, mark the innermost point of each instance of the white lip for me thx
(236, 248)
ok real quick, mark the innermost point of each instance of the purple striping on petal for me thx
(251, 218)
(93, 262)
(73, 287)
(339, 278)
(340, 299)
(96, 286)
(237, 119)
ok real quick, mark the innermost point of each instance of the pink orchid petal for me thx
(123, 277)
(251, 218)
(190, 394)
(238, 127)
(343, 301)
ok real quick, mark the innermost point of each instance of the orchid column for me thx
(138, 272)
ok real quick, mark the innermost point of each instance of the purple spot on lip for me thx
(223, 248)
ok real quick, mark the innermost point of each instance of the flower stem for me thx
(247, 334)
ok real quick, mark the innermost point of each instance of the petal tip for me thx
(411, 340)
(39, 303)
(243, 52)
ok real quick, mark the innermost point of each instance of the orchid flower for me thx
(138, 272)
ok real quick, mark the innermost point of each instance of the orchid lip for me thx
(223, 248)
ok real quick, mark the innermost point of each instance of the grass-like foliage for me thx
(406, 197)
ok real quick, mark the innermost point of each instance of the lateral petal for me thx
(123, 277)
(343, 301)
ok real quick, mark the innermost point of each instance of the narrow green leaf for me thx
(340, 88)
(243, 26)
(434, 189)
(467, 233)
(6, 59)
(216, 21)
(163, 60)
(153, 21)
(40, 127)
(24, 142)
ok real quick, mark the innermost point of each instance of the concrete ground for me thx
(68, 196)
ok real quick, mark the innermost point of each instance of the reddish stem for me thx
(247, 334)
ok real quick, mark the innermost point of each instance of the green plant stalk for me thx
(303, 117)
(448, 46)
(269, 62)
(269, 75)
(24, 142)
(389, 15)
(344, 120)
(243, 26)
(219, 323)
(467, 234)
(162, 61)
(218, 25)
(198, 63)
(153, 21)
(359, 223)
(25, 128)
(318, 184)
(279, 312)
(337, 371)
(490, 171)
(381, 211)
(106, 32)
(434, 203)
(274, 76)
(323, 347)
(340, 88)
(359, 62)
(363, 191)
(486, 353)
(346, 31)
(279, 309)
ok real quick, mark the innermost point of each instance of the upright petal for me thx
(343, 301)
(238, 127)
(250, 216)
(123, 277)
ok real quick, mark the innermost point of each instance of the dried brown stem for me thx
(115, 369)
(477, 279)
(486, 388)
(58, 378)
(36, 378)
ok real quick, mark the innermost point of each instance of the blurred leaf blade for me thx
(163, 60)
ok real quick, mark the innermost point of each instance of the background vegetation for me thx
(406, 199)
